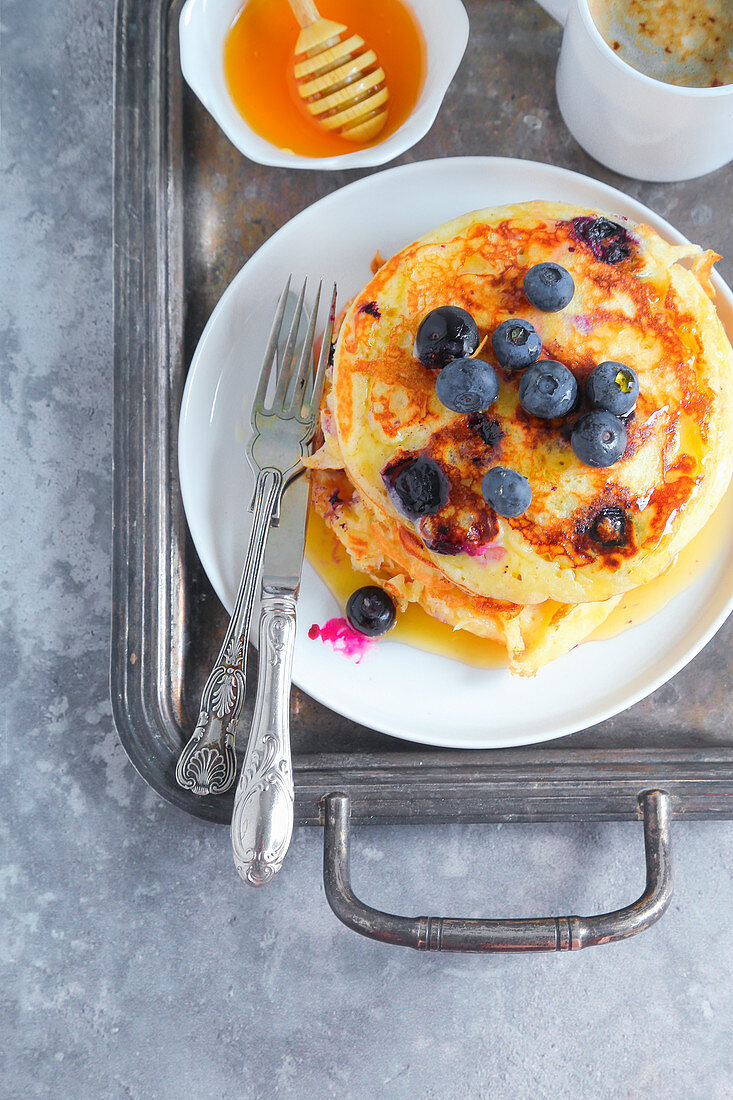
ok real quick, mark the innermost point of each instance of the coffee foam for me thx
(683, 42)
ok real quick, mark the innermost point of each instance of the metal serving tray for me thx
(189, 211)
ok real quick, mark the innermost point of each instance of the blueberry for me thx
(599, 438)
(516, 344)
(549, 287)
(614, 387)
(547, 389)
(467, 385)
(440, 538)
(486, 428)
(420, 486)
(506, 491)
(608, 241)
(371, 611)
(609, 527)
(446, 333)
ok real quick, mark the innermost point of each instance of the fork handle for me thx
(208, 763)
(262, 821)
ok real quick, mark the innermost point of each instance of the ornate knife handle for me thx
(262, 821)
(208, 763)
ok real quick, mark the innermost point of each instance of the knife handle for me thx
(262, 821)
(208, 763)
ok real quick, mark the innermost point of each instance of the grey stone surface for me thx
(132, 961)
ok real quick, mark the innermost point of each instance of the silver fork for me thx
(281, 436)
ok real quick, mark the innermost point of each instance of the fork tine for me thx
(306, 359)
(288, 360)
(312, 396)
(269, 357)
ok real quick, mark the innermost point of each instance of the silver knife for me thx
(262, 821)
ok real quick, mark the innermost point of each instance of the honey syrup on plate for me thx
(258, 67)
(416, 628)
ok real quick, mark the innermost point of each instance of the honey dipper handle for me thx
(305, 12)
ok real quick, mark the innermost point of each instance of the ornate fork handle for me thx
(262, 821)
(208, 763)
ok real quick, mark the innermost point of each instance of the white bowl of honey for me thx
(238, 59)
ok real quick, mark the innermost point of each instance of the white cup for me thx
(630, 122)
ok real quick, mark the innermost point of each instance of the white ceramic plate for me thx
(397, 689)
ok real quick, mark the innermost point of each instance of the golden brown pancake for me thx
(589, 533)
(531, 635)
(542, 582)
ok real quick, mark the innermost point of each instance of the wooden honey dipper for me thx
(338, 76)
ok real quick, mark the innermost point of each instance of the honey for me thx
(258, 67)
(416, 628)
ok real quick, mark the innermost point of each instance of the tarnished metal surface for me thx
(190, 210)
(521, 934)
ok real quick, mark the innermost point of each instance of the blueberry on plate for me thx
(547, 389)
(421, 487)
(506, 491)
(516, 344)
(371, 611)
(599, 438)
(446, 333)
(549, 287)
(467, 385)
(614, 387)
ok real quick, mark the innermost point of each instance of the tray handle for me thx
(525, 934)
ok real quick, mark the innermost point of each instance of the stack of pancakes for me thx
(542, 582)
